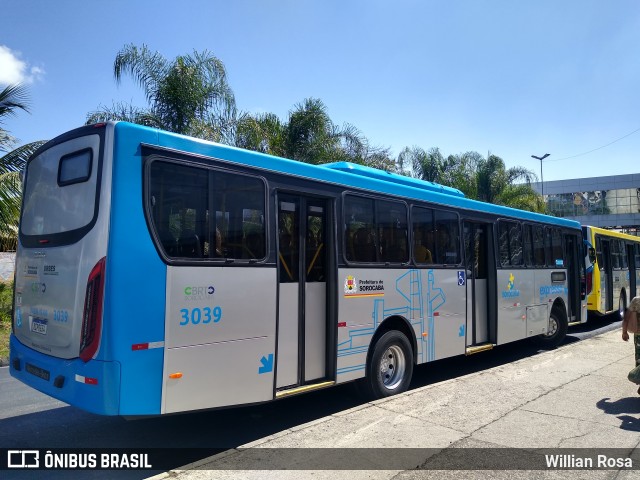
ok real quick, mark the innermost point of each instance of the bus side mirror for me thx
(592, 255)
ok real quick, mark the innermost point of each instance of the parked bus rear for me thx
(60, 344)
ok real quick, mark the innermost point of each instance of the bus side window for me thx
(599, 256)
(623, 255)
(364, 245)
(253, 247)
(528, 246)
(503, 243)
(189, 245)
(557, 255)
(392, 226)
(510, 243)
(615, 253)
(447, 238)
(180, 202)
(423, 238)
(361, 240)
(168, 240)
(515, 244)
(538, 246)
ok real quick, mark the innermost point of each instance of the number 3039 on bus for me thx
(203, 316)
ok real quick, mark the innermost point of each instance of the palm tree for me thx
(263, 133)
(309, 136)
(487, 180)
(499, 185)
(460, 171)
(426, 165)
(12, 99)
(188, 95)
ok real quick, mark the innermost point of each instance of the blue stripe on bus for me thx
(136, 280)
(350, 369)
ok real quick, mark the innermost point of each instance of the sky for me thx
(513, 78)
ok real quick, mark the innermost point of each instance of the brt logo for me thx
(38, 287)
(199, 291)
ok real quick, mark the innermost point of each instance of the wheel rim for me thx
(392, 367)
(553, 327)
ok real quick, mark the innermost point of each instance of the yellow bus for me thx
(613, 270)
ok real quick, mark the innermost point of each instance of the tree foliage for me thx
(188, 95)
(309, 135)
(427, 165)
(12, 99)
(484, 179)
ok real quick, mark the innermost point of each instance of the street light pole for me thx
(541, 177)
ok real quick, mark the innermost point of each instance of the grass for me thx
(6, 292)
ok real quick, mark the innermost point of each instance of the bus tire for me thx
(622, 304)
(558, 327)
(389, 367)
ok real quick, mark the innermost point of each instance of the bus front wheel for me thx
(389, 367)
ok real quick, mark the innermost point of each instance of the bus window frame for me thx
(434, 223)
(550, 247)
(207, 165)
(500, 221)
(71, 236)
(458, 244)
(432, 251)
(75, 180)
(375, 227)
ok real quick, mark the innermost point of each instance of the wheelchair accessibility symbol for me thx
(461, 277)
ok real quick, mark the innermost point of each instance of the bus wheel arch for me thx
(400, 324)
(390, 359)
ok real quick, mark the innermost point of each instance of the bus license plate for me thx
(38, 372)
(39, 325)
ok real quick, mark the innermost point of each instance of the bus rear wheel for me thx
(622, 305)
(389, 367)
(558, 327)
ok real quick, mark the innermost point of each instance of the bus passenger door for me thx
(606, 276)
(481, 278)
(303, 333)
(575, 269)
(632, 272)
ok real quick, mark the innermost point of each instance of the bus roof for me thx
(341, 173)
(613, 233)
(392, 177)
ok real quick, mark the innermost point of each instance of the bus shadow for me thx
(441, 370)
(205, 433)
(597, 322)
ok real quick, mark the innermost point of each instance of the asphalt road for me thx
(29, 419)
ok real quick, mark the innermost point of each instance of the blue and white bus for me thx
(158, 273)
